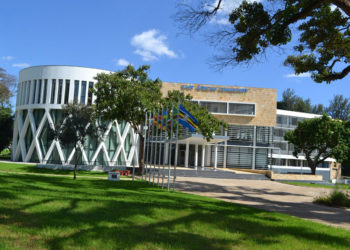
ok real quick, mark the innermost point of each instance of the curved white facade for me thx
(42, 90)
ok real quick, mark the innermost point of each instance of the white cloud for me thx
(7, 58)
(122, 62)
(150, 45)
(20, 65)
(298, 75)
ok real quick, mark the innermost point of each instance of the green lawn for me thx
(24, 168)
(55, 212)
(340, 186)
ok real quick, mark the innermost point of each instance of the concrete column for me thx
(254, 148)
(196, 156)
(187, 153)
(166, 151)
(208, 155)
(203, 156)
(215, 156)
(225, 152)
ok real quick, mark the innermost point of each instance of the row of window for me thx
(288, 121)
(228, 108)
(295, 163)
(39, 91)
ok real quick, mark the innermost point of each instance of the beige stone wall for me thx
(296, 177)
(335, 169)
(265, 101)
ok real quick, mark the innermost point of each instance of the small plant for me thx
(336, 198)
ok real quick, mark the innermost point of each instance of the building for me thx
(253, 140)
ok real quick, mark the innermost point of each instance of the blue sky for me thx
(107, 34)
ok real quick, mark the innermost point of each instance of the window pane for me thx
(34, 91)
(76, 90)
(45, 91)
(83, 92)
(91, 85)
(242, 109)
(59, 94)
(39, 92)
(53, 91)
(215, 107)
(66, 95)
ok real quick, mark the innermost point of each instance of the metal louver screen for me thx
(239, 157)
(239, 134)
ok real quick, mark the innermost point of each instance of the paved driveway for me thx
(268, 195)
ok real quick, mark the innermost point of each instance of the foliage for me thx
(208, 124)
(290, 101)
(125, 96)
(75, 127)
(6, 127)
(336, 198)
(42, 212)
(339, 108)
(319, 139)
(7, 87)
(323, 47)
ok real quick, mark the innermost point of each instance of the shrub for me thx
(336, 198)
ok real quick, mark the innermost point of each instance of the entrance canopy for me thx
(199, 139)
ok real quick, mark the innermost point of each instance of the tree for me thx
(6, 127)
(339, 108)
(290, 101)
(319, 139)
(127, 95)
(8, 85)
(78, 123)
(323, 47)
(208, 124)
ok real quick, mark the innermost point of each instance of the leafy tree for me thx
(290, 101)
(319, 139)
(74, 128)
(125, 96)
(339, 108)
(323, 46)
(208, 124)
(8, 85)
(6, 127)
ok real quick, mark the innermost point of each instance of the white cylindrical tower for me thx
(42, 91)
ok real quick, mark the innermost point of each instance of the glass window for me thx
(34, 91)
(28, 92)
(91, 86)
(59, 93)
(53, 90)
(45, 91)
(282, 120)
(66, 94)
(39, 92)
(76, 90)
(83, 92)
(215, 107)
(242, 109)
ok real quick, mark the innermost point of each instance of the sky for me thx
(109, 34)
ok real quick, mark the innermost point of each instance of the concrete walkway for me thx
(268, 195)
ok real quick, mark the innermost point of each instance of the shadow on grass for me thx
(125, 214)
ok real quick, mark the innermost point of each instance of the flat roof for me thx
(296, 113)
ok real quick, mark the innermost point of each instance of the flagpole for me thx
(165, 139)
(177, 143)
(155, 148)
(144, 146)
(170, 146)
(160, 144)
(148, 144)
(151, 156)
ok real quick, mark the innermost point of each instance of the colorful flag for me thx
(186, 119)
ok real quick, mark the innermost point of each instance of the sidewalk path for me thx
(269, 195)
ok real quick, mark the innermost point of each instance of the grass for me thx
(41, 212)
(337, 198)
(25, 168)
(340, 186)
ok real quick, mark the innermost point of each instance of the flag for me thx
(186, 119)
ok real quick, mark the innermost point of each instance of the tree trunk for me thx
(141, 155)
